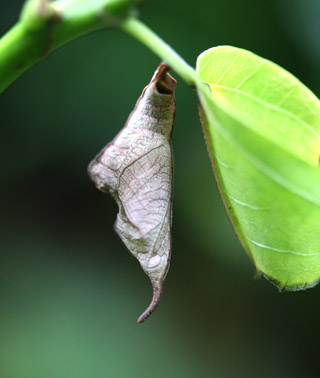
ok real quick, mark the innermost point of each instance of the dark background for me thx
(70, 293)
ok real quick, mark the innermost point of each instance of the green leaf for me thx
(262, 128)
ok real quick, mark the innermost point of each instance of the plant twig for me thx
(45, 26)
(146, 36)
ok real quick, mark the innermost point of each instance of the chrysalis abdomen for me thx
(136, 168)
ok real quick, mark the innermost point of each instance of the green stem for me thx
(35, 36)
(40, 31)
(145, 35)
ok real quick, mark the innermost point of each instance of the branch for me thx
(45, 26)
(146, 36)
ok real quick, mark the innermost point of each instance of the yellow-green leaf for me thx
(262, 127)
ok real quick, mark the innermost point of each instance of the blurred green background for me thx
(70, 293)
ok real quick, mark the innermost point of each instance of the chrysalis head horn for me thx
(157, 292)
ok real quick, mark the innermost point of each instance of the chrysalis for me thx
(136, 168)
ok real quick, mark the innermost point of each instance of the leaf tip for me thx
(283, 287)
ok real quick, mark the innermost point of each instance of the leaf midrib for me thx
(269, 106)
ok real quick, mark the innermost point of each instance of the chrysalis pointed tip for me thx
(157, 291)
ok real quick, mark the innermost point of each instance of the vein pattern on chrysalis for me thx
(136, 167)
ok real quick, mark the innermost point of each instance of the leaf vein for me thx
(270, 106)
(282, 250)
(228, 69)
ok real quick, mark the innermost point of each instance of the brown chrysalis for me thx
(137, 168)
